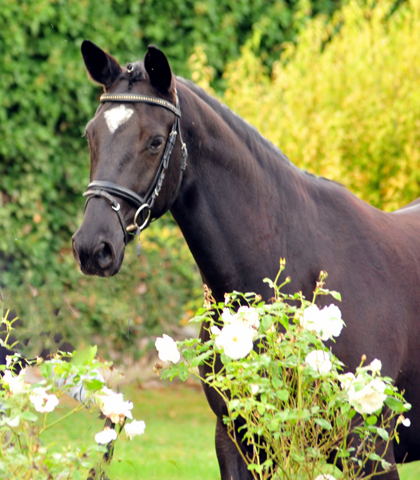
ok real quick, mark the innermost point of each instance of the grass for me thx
(178, 442)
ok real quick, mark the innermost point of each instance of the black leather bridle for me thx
(107, 190)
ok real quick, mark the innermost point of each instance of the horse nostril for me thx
(104, 255)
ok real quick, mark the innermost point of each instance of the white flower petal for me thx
(134, 428)
(215, 330)
(319, 361)
(406, 422)
(375, 366)
(368, 399)
(227, 316)
(254, 389)
(42, 401)
(310, 316)
(113, 406)
(107, 435)
(167, 349)
(236, 340)
(327, 323)
(17, 383)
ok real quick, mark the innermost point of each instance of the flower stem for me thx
(46, 427)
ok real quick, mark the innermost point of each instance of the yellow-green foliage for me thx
(344, 102)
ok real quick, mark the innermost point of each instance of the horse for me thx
(158, 142)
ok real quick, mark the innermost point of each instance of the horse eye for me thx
(155, 144)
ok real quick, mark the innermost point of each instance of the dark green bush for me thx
(45, 102)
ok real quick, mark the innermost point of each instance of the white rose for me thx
(167, 349)
(327, 323)
(310, 318)
(42, 401)
(331, 322)
(319, 361)
(254, 389)
(227, 316)
(247, 316)
(235, 340)
(369, 398)
(16, 384)
(107, 435)
(113, 406)
(134, 428)
(375, 366)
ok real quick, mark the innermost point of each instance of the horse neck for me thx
(242, 204)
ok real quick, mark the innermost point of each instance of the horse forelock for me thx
(132, 73)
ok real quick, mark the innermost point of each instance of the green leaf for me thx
(200, 359)
(29, 416)
(266, 322)
(282, 394)
(383, 433)
(46, 369)
(183, 372)
(335, 295)
(84, 357)
(395, 404)
(372, 420)
(351, 413)
(93, 385)
(325, 424)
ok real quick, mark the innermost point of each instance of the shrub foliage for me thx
(343, 101)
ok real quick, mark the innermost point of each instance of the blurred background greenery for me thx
(334, 86)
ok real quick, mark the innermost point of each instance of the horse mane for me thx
(245, 130)
(241, 127)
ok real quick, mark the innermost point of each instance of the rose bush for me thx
(23, 454)
(288, 388)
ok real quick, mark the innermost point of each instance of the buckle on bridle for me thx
(135, 227)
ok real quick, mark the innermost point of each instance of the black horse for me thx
(242, 205)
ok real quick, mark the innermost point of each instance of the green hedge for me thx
(45, 102)
(344, 101)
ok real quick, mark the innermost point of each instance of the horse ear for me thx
(158, 69)
(101, 67)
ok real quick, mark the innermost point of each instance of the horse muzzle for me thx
(99, 250)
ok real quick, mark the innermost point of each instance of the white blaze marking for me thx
(117, 117)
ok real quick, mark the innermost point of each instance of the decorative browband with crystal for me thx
(132, 97)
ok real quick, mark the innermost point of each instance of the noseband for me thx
(107, 190)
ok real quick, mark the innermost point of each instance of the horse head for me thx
(131, 138)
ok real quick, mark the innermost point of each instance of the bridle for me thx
(107, 190)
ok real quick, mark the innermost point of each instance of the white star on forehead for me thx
(117, 116)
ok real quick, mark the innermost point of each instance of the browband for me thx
(133, 97)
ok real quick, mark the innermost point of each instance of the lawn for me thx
(178, 442)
